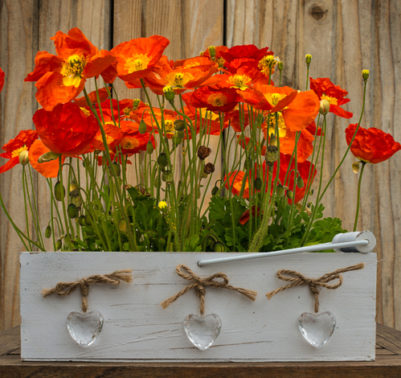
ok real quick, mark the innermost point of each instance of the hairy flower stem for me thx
(358, 198)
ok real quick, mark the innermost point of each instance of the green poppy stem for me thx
(358, 198)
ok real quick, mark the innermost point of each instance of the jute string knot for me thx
(218, 280)
(65, 288)
(315, 284)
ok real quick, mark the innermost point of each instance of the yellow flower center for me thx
(267, 64)
(137, 63)
(169, 126)
(274, 98)
(177, 80)
(207, 114)
(85, 111)
(331, 100)
(17, 152)
(217, 99)
(239, 81)
(72, 70)
(129, 143)
(282, 129)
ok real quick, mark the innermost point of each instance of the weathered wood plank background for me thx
(343, 36)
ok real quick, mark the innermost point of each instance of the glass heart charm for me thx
(317, 329)
(202, 330)
(84, 327)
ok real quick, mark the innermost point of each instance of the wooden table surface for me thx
(387, 364)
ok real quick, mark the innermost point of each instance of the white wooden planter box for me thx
(136, 328)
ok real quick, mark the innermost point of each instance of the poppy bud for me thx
(76, 201)
(272, 154)
(300, 182)
(176, 140)
(179, 124)
(280, 190)
(203, 152)
(180, 134)
(72, 211)
(215, 190)
(59, 191)
(162, 160)
(365, 75)
(324, 107)
(48, 232)
(169, 93)
(308, 58)
(58, 244)
(23, 157)
(290, 194)
(73, 190)
(116, 169)
(209, 168)
(280, 65)
(142, 127)
(149, 147)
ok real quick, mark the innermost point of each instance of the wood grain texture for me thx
(344, 37)
(17, 43)
(387, 364)
(137, 328)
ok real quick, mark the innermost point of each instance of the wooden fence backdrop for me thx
(343, 37)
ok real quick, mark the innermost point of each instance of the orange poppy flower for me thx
(371, 145)
(47, 169)
(179, 75)
(67, 129)
(60, 78)
(214, 53)
(137, 56)
(13, 148)
(214, 99)
(113, 138)
(334, 94)
(245, 51)
(2, 75)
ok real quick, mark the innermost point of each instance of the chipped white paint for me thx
(137, 328)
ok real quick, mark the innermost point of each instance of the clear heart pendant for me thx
(317, 329)
(202, 330)
(84, 327)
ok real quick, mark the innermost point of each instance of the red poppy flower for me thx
(47, 169)
(245, 51)
(2, 75)
(216, 56)
(371, 145)
(132, 140)
(67, 129)
(22, 142)
(214, 99)
(234, 180)
(334, 94)
(137, 56)
(113, 138)
(60, 78)
(179, 75)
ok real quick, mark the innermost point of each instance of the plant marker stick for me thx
(359, 241)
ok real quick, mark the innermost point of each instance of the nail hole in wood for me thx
(317, 12)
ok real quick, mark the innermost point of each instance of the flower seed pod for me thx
(272, 154)
(209, 168)
(203, 152)
(162, 160)
(179, 125)
(142, 127)
(59, 191)
(24, 157)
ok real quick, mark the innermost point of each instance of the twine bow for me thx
(218, 280)
(65, 288)
(297, 279)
